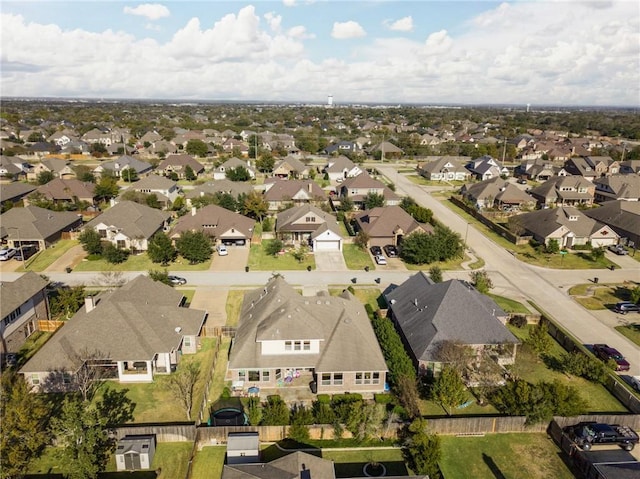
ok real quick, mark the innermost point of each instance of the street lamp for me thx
(466, 234)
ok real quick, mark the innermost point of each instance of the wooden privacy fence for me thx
(175, 432)
(49, 325)
(202, 411)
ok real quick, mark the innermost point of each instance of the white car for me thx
(222, 250)
(380, 259)
(7, 253)
(635, 382)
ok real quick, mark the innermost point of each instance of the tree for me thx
(361, 240)
(88, 376)
(189, 174)
(539, 339)
(35, 137)
(45, 177)
(553, 246)
(161, 250)
(423, 450)
(454, 354)
(597, 253)
(98, 149)
(275, 412)
(114, 255)
(194, 246)
(273, 247)
(373, 200)
(66, 300)
(588, 367)
(300, 253)
(106, 188)
(255, 206)
(197, 148)
(448, 389)
(161, 276)
(266, 162)
(435, 274)
(346, 204)
(91, 241)
(182, 383)
(239, 173)
(481, 281)
(129, 175)
(23, 416)
(406, 388)
(151, 200)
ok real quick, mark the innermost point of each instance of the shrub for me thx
(323, 398)
(519, 321)
(299, 433)
(323, 413)
(114, 255)
(275, 412)
(383, 398)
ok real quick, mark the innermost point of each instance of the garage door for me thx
(327, 245)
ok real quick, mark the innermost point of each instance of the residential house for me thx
(37, 226)
(285, 193)
(233, 188)
(286, 340)
(497, 193)
(220, 173)
(290, 167)
(60, 169)
(166, 190)
(539, 170)
(134, 332)
(445, 168)
(162, 147)
(24, 303)
(342, 147)
(388, 225)
(62, 138)
(617, 187)
(178, 164)
(485, 168)
(429, 316)
(622, 216)
(231, 144)
(12, 193)
(13, 168)
(130, 225)
(297, 465)
(568, 225)
(338, 168)
(64, 192)
(386, 150)
(150, 137)
(42, 149)
(97, 136)
(564, 191)
(223, 226)
(630, 167)
(358, 187)
(121, 164)
(592, 167)
(309, 225)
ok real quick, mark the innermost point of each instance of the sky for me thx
(547, 52)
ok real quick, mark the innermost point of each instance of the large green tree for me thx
(161, 250)
(194, 246)
(91, 241)
(255, 206)
(448, 389)
(239, 173)
(373, 200)
(423, 449)
(197, 148)
(106, 188)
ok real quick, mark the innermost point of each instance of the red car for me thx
(606, 353)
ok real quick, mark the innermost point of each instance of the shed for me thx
(135, 452)
(243, 448)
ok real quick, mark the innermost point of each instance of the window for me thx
(35, 379)
(102, 233)
(297, 346)
(242, 375)
(254, 375)
(376, 378)
(278, 374)
(326, 379)
(121, 244)
(310, 219)
(186, 342)
(66, 378)
(306, 345)
(368, 378)
(337, 379)
(288, 345)
(265, 375)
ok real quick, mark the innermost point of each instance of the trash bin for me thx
(366, 268)
(595, 280)
(612, 267)
(314, 387)
(246, 269)
(309, 268)
(67, 269)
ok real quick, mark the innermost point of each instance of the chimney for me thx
(309, 187)
(89, 303)
(193, 210)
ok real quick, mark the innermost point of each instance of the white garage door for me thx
(327, 245)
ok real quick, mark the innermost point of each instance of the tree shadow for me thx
(493, 467)
(553, 363)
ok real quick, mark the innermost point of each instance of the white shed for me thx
(135, 452)
(243, 448)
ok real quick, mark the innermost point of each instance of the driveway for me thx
(329, 261)
(70, 259)
(9, 265)
(236, 260)
(214, 301)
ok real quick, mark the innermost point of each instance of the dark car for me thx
(177, 280)
(522, 181)
(392, 251)
(376, 251)
(606, 353)
(625, 306)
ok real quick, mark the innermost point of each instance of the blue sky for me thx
(539, 52)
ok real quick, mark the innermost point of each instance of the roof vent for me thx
(178, 329)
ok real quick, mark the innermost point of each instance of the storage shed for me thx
(135, 452)
(243, 448)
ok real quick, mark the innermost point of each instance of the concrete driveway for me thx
(236, 260)
(329, 261)
(9, 265)
(214, 301)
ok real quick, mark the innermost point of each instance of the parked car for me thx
(7, 253)
(222, 250)
(392, 251)
(618, 249)
(588, 434)
(376, 251)
(522, 181)
(25, 252)
(606, 353)
(635, 382)
(177, 280)
(624, 307)
(380, 259)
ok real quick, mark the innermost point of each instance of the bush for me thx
(299, 433)
(323, 398)
(114, 255)
(267, 225)
(323, 412)
(383, 398)
(518, 321)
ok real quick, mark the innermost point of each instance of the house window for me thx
(35, 379)
(288, 345)
(254, 375)
(278, 374)
(66, 378)
(326, 379)
(310, 219)
(297, 345)
(337, 379)
(376, 378)
(242, 375)
(102, 233)
(186, 342)
(121, 244)
(265, 375)
(367, 378)
(306, 345)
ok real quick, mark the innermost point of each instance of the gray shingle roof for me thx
(135, 220)
(623, 215)
(286, 467)
(34, 222)
(16, 293)
(287, 217)
(545, 222)
(215, 220)
(384, 221)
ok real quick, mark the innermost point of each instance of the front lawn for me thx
(631, 332)
(259, 260)
(529, 455)
(509, 305)
(600, 296)
(454, 264)
(47, 257)
(355, 257)
(140, 262)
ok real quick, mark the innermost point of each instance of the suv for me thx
(618, 249)
(7, 253)
(625, 306)
(392, 251)
(376, 251)
(606, 353)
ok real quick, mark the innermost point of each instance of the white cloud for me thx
(273, 20)
(402, 25)
(152, 11)
(289, 3)
(344, 30)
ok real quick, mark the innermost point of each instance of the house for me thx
(290, 167)
(497, 193)
(24, 303)
(429, 315)
(539, 170)
(568, 225)
(166, 190)
(623, 217)
(212, 188)
(243, 448)
(617, 187)
(121, 164)
(445, 168)
(388, 225)
(592, 167)
(342, 147)
(59, 168)
(630, 167)
(37, 226)
(485, 167)
(386, 150)
(285, 193)
(297, 465)
(358, 187)
(178, 164)
(231, 144)
(129, 225)
(223, 226)
(65, 192)
(134, 453)
(340, 167)
(564, 191)
(13, 168)
(12, 193)
(308, 224)
(288, 340)
(134, 332)
(220, 173)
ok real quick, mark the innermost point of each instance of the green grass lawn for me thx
(432, 408)
(260, 261)
(523, 455)
(208, 462)
(141, 262)
(233, 306)
(218, 382)
(172, 459)
(630, 331)
(599, 296)
(509, 305)
(47, 257)
(355, 257)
